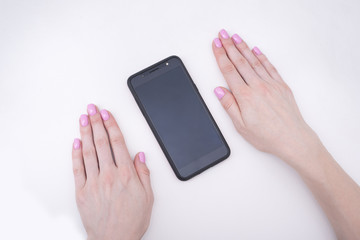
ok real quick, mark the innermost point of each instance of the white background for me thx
(58, 56)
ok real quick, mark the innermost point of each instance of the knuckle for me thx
(108, 178)
(228, 104)
(256, 64)
(96, 120)
(119, 140)
(228, 68)
(262, 88)
(101, 141)
(287, 89)
(88, 153)
(272, 69)
(78, 171)
(125, 174)
(240, 61)
(145, 171)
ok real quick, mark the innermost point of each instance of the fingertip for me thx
(91, 109)
(217, 43)
(84, 120)
(142, 157)
(256, 51)
(219, 92)
(104, 114)
(77, 144)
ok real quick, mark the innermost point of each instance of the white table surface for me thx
(58, 56)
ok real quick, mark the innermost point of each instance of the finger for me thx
(117, 140)
(231, 75)
(239, 61)
(101, 139)
(250, 57)
(88, 148)
(143, 172)
(230, 105)
(78, 165)
(267, 65)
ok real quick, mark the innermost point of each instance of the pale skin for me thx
(114, 194)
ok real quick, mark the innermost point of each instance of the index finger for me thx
(227, 68)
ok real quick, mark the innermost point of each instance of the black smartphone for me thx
(178, 117)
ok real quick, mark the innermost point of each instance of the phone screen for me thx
(179, 117)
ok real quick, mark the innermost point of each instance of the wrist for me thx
(307, 155)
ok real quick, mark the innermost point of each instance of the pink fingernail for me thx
(84, 120)
(219, 92)
(104, 114)
(142, 157)
(91, 109)
(76, 144)
(257, 51)
(218, 43)
(236, 38)
(224, 34)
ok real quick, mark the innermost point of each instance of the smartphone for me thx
(178, 117)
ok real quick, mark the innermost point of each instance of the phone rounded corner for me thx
(182, 178)
(228, 152)
(129, 81)
(174, 57)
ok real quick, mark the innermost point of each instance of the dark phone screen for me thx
(180, 118)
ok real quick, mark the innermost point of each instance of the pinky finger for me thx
(267, 64)
(78, 165)
(230, 105)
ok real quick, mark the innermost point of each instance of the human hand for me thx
(113, 193)
(260, 104)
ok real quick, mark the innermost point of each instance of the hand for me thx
(113, 193)
(260, 104)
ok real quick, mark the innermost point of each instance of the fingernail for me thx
(104, 114)
(91, 109)
(84, 120)
(219, 92)
(142, 157)
(217, 43)
(76, 144)
(236, 38)
(257, 51)
(224, 34)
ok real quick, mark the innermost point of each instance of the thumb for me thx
(230, 105)
(143, 171)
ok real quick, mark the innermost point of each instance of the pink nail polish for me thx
(76, 144)
(257, 51)
(224, 34)
(218, 43)
(104, 115)
(142, 157)
(91, 109)
(219, 92)
(84, 120)
(236, 38)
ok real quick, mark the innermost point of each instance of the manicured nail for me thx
(257, 51)
(76, 144)
(236, 38)
(219, 92)
(224, 34)
(217, 43)
(104, 114)
(142, 157)
(91, 109)
(84, 120)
